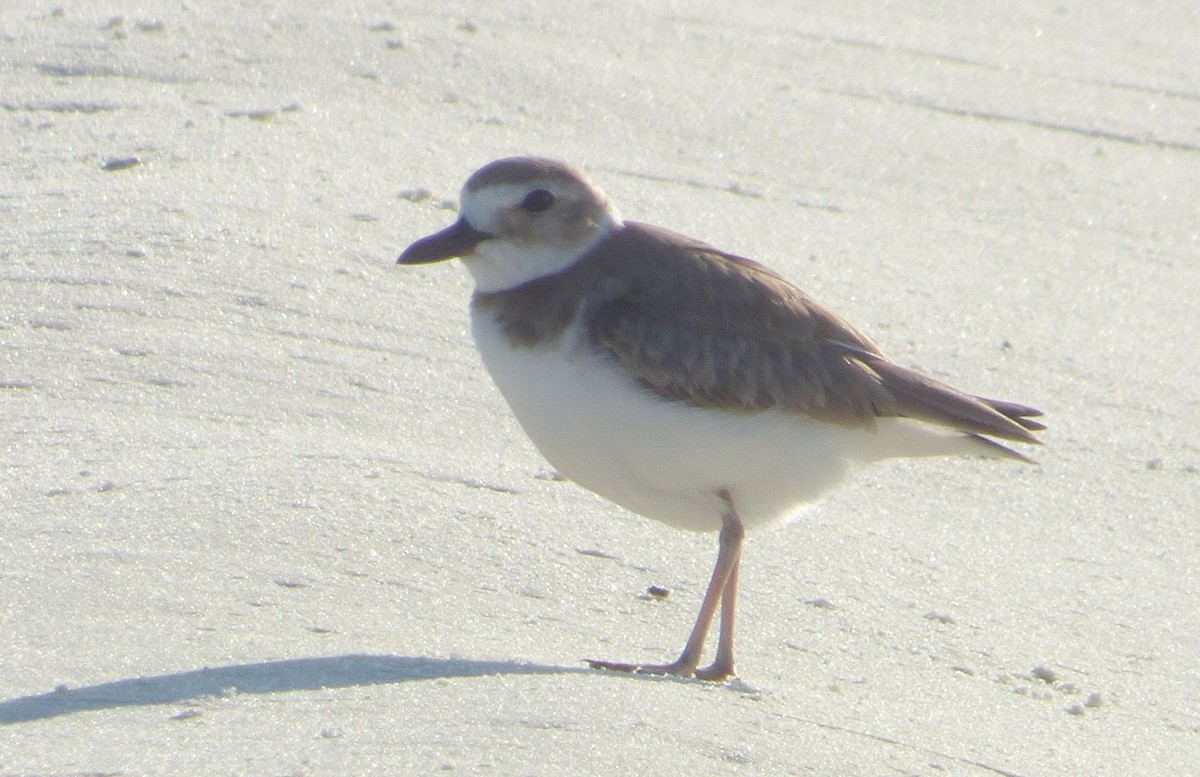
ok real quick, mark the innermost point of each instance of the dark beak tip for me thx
(405, 256)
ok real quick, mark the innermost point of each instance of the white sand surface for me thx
(262, 511)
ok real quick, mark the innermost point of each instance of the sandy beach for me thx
(262, 510)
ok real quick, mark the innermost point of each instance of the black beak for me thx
(458, 239)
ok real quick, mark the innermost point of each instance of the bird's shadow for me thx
(295, 674)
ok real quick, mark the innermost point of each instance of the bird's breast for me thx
(662, 459)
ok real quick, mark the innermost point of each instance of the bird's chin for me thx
(489, 274)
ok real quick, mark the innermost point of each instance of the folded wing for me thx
(727, 332)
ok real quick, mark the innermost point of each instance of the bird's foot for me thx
(715, 673)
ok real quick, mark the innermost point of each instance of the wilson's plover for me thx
(684, 383)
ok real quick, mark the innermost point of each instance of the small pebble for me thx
(658, 592)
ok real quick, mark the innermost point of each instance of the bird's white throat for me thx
(501, 263)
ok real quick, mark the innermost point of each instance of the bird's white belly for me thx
(664, 460)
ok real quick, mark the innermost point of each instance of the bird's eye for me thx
(537, 201)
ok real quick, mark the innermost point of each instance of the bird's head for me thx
(520, 218)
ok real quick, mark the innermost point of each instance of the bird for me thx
(684, 383)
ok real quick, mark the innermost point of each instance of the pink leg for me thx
(722, 665)
(722, 590)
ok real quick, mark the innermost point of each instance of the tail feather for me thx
(993, 448)
(1015, 412)
(920, 396)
